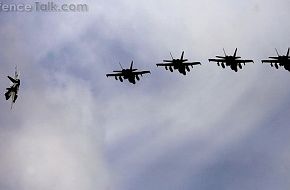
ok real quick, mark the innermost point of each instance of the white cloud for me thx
(67, 105)
(58, 145)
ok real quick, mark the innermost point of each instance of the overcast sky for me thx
(73, 128)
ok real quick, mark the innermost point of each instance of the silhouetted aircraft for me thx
(178, 64)
(12, 91)
(231, 61)
(130, 74)
(281, 60)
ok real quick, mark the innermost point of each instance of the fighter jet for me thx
(178, 64)
(281, 60)
(129, 74)
(12, 91)
(231, 61)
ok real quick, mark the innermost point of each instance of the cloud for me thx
(57, 143)
(75, 129)
(51, 139)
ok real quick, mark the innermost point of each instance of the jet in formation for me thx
(129, 74)
(231, 61)
(12, 91)
(178, 64)
(182, 65)
(280, 60)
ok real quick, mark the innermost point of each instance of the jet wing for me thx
(244, 61)
(217, 60)
(11, 94)
(114, 75)
(165, 64)
(12, 79)
(270, 61)
(192, 63)
(141, 72)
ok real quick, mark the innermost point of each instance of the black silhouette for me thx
(231, 61)
(130, 74)
(12, 91)
(281, 60)
(178, 64)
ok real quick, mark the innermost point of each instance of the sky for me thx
(74, 128)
